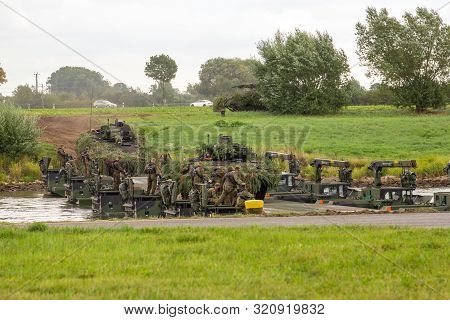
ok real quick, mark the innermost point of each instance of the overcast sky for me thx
(119, 36)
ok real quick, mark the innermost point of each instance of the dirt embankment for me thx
(65, 130)
(393, 181)
(22, 186)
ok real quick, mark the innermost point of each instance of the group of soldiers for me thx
(224, 185)
(90, 166)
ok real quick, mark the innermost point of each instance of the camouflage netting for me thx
(224, 151)
(246, 100)
(266, 174)
(102, 151)
(258, 175)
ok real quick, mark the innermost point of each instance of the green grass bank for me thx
(224, 263)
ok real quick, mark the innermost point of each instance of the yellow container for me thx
(254, 204)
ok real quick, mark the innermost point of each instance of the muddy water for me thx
(34, 206)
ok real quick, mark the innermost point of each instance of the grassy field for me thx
(224, 263)
(358, 133)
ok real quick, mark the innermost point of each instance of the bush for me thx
(30, 171)
(302, 73)
(18, 131)
(18, 169)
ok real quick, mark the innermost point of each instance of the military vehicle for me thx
(118, 132)
(128, 201)
(312, 191)
(442, 199)
(175, 207)
(225, 150)
(378, 196)
(288, 180)
(53, 179)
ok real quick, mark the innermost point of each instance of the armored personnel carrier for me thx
(118, 132)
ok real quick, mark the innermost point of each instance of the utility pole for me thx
(92, 102)
(42, 95)
(36, 75)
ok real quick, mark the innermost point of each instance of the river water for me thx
(38, 206)
(31, 206)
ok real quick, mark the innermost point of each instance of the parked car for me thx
(104, 104)
(201, 103)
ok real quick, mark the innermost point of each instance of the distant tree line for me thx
(296, 73)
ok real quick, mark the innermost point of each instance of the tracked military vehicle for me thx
(118, 132)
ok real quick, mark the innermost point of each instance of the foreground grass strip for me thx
(224, 263)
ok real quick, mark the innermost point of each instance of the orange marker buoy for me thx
(389, 209)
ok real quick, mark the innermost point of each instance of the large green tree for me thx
(24, 96)
(302, 73)
(76, 80)
(411, 57)
(218, 76)
(163, 69)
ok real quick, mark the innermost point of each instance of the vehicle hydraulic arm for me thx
(345, 173)
(408, 178)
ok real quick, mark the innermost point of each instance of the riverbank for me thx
(22, 186)
(391, 181)
(394, 181)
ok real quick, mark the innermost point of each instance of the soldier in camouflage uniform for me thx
(62, 156)
(214, 193)
(184, 182)
(126, 192)
(117, 171)
(71, 168)
(294, 164)
(217, 175)
(230, 187)
(198, 180)
(152, 171)
(86, 159)
(242, 196)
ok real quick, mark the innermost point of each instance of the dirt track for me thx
(65, 129)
